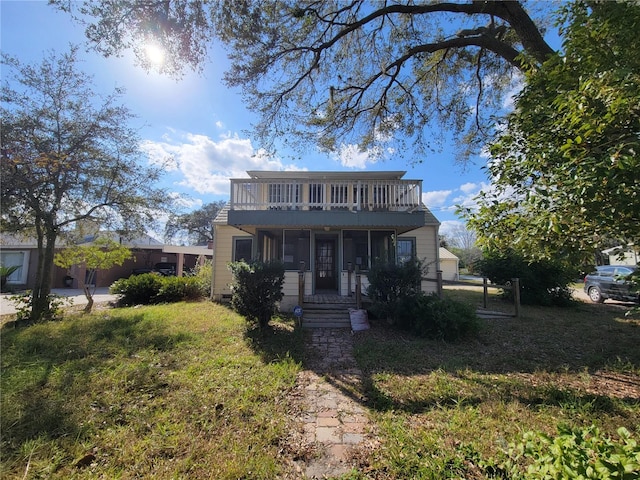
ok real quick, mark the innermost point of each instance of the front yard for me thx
(184, 391)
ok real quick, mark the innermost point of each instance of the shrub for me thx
(24, 304)
(543, 282)
(151, 288)
(176, 289)
(391, 285)
(573, 453)
(204, 274)
(433, 317)
(256, 289)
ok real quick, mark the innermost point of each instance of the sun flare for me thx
(155, 54)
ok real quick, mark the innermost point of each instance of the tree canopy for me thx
(566, 168)
(335, 73)
(68, 156)
(197, 225)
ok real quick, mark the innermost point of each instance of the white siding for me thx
(222, 255)
(426, 250)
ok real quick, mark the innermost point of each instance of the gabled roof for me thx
(446, 254)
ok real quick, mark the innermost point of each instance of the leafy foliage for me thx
(365, 75)
(68, 156)
(565, 170)
(257, 289)
(23, 303)
(103, 254)
(197, 225)
(395, 291)
(574, 453)
(390, 285)
(151, 288)
(437, 318)
(542, 282)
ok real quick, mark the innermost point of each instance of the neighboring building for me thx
(148, 253)
(622, 256)
(449, 264)
(326, 223)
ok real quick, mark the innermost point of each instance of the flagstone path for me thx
(333, 420)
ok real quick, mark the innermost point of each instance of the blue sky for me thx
(201, 123)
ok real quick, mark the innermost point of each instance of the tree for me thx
(197, 225)
(101, 255)
(335, 73)
(566, 169)
(67, 156)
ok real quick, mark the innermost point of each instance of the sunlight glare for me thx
(155, 54)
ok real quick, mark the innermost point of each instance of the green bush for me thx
(256, 289)
(204, 274)
(573, 453)
(390, 286)
(544, 282)
(433, 317)
(176, 289)
(151, 288)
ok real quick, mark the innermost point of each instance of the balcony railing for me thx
(308, 194)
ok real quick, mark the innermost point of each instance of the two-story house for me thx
(327, 225)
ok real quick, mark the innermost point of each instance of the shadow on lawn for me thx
(45, 367)
(283, 338)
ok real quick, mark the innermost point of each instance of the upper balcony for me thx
(328, 192)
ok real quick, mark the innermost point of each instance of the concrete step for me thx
(326, 316)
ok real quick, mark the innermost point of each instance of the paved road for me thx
(102, 295)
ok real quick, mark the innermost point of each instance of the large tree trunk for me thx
(41, 308)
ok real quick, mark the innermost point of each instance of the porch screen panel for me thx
(355, 249)
(296, 249)
(382, 247)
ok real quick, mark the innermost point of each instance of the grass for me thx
(186, 391)
(177, 391)
(445, 410)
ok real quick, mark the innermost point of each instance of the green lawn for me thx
(176, 391)
(184, 391)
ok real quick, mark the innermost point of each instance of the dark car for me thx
(610, 281)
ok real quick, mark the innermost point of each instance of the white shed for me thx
(448, 264)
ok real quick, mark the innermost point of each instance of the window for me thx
(406, 250)
(242, 249)
(20, 259)
(296, 249)
(355, 249)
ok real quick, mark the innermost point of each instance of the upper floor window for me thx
(283, 194)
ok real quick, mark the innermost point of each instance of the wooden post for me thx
(515, 284)
(349, 272)
(358, 290)
(485, 297)
(439, 285)
(301, 284)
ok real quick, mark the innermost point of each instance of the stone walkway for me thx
(333, 419)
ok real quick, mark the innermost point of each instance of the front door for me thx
(326, 277)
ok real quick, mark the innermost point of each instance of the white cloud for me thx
(469, 187)
(351, 156)
(435, 198)
(206, 165)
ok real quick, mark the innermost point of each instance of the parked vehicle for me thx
(610, 281)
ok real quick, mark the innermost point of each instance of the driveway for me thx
(101, 295)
